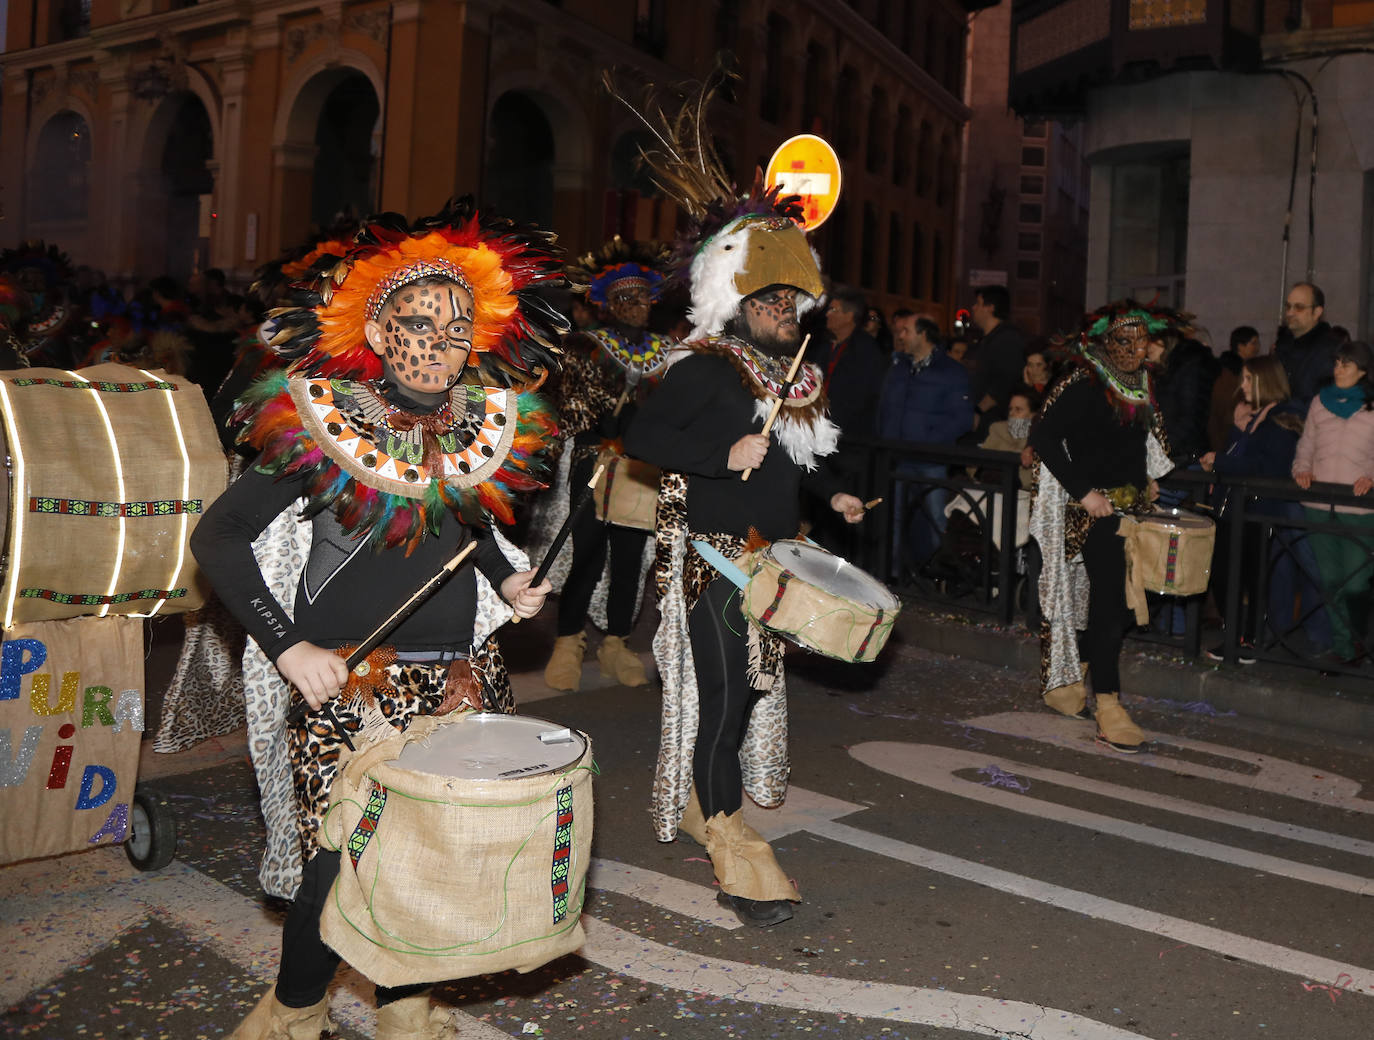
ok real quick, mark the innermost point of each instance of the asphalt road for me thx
(970, 865)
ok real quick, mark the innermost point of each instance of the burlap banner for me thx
(71, 718)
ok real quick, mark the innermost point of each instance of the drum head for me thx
(1180, 518)
(490, 746)
(832, 573)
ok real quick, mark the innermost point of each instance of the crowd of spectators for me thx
(1298, 408)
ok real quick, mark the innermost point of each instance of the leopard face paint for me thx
(770, 317)
(629, 305)
(423, 334)
(1126, 346)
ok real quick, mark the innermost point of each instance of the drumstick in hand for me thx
(384, 629)
(782, 393)
(871, 503)
(584, 499)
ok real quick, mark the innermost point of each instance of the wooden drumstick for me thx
(782, 394)
(871, 503)
(579, 507)
(383, 630)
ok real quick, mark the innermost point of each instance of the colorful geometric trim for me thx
(650, 353)
(367, 823)
(1171, 562)
(562, 852)
(106, 388)
(153, 507)
(393, 464)
(92, 600)
(768, 373)
(435, 267)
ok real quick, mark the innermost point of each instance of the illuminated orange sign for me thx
(807, 166)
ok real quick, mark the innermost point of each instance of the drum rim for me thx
(487, 718)
(894, 603)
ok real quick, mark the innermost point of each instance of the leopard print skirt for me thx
(314, 744)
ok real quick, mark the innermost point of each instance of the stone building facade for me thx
(156, 136)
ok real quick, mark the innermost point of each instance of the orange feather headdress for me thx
(504, 265)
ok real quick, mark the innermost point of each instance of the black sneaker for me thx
(1245, 655)
(756, 913)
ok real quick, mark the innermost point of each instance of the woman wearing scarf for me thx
(1337, 447)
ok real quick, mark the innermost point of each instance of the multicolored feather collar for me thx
(763, 375)
(1131, 395)
(391, 475)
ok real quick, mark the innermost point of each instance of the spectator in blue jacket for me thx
(924, 400)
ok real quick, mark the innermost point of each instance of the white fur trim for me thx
(804, 442)
(715, 300)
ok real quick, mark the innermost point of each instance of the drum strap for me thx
(877, 620)
(722, 563)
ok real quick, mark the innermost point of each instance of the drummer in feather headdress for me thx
(403, 425)
(606, 373)
(750, 273)
(1101, 447)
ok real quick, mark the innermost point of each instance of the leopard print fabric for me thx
(205, 696)
(314, 744)
(763, 753)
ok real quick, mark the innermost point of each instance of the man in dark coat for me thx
(925, 400)
(998, 358)
(852, 362)
(1307, 346)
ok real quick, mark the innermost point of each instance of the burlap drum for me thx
(818, 600)
(465, 844)
(626, 494)
(1171, 551)
(109, 470)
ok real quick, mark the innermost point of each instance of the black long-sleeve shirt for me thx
(689, 423)
(1085, 445)
(358, 587)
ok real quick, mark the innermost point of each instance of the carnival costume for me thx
(1099, 430)
(47, 319)
(366, 482)
(606, 371)
(724, 715)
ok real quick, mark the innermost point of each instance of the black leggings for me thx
(307, 964)
(720, 651)
(1104, 556)
(590, 538)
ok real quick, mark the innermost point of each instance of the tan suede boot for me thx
(564, 670)
(414, 1018)
(693, 823)
(1070, 700)
(620, 663)
(751, 882)
(1114, 726)
(273, 1020)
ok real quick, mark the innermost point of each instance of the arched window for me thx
(773, 104)
(948, 170)
(815, 89)
(925, 159)
(868, 260)
(894, 254)
(846, 104)
(62, 169)
(345, 181)
(918, 262)
(878, 132)
(903, 147)
(520, 156)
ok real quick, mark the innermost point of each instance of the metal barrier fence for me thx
(1273, 540)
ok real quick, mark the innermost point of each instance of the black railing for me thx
(1266, 577)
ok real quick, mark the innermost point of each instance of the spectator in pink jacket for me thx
(1337, 447)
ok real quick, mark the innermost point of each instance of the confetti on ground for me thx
(999, 777)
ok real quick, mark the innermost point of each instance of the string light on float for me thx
(185, 492)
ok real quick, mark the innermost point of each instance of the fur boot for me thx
(273, 1020)
(414, 1018)
(620, 663)
(564, 670)
(751, 882)
(1070, 700)
(1114, 726)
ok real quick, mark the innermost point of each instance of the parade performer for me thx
(404, 423)
(48, 320)
(1101, 445)
(606, 372)
(724, 717)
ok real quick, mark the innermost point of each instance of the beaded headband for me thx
(402, 276)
